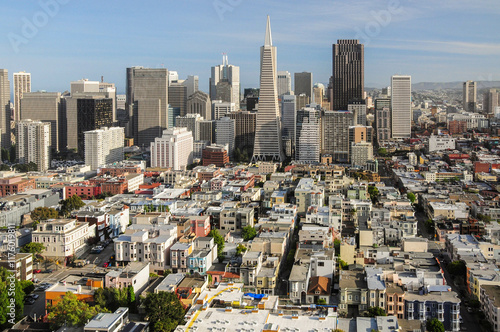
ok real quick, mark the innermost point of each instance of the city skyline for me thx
(397, 36)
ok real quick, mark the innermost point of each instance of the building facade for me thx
(268, 144)
(401, 106)
(173, 150)
(104, 146)
(33, 143)
(22, 84)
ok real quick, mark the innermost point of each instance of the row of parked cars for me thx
(100, 247)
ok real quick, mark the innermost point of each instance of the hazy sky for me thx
(445, 40)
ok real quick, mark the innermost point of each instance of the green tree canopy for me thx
(457, 268)
(44, 213)
(112, 298)
(411, 197)
(164, 310)
(240, 249)
(219, 240)
(71, 312)
(373, 192)
(70, 204)
(382, 152)
(34, 248)
(342, 264)
(6, 294)
(30, 167)
(248, 233)
(375, 311)
(336, 246)
(434, 325)
(4, 167)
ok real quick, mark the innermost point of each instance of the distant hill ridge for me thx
(444, 85)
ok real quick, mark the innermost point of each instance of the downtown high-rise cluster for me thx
(310, 123)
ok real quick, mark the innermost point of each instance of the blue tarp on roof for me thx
(255, 296)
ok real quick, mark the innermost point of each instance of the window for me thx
(321, 263)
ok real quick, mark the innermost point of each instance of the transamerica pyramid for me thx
(268, 144)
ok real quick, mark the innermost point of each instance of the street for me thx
(60, 272)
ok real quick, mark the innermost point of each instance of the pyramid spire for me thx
(269, 40)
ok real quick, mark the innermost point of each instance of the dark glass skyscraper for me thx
(347, 83)
(93, 114)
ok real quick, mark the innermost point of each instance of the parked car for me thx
(33, 296)
(48, 271)
(29, 301)
(37, 271)
(106, 264)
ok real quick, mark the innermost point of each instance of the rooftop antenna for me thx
(224, 59)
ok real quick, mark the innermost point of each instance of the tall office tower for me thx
(245, 122)
(268, 127)
(5, 108)
(289, 120)
(109, 91)
(147, 103)
(386, 92)
(173, 77)
(308, 135)
(383, 124)
(381, 103)
(46, 107)
(221, 109)
(177, 96)
(173, 113)
(225, 133)
(229, 74)
(335, 134)
(104, 146)
(191, 83)
(33, 143)
(491, 100)
(319, 92)
(470, 96)
(85, 113)
(348, 73)
(199, 103)
(401, 106)
(303, 83)
(207, 128)
(22, 84)
(359, 110)
(121, 118)
(191, 122)
(174, 149)
(284, 83)
(301, 101)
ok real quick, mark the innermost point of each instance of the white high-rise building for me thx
(5, 108)
(173, 150)
(104, 146)
(191, 82)
(268, 142)
(22, 84)
(284, 83)
(229, 74)
(309, 136)
(33, 143)
(401, 106)
(225, 133)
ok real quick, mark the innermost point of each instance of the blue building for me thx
(434, 302)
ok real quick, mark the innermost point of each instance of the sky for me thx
(59, 41)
